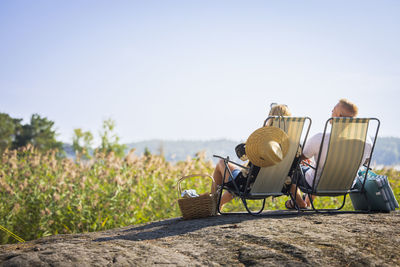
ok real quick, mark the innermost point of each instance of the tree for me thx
(38, 132)
(82, 142)
(23, 136)
(147, 152)
(109, 140)
(43, 137)
(8, 131)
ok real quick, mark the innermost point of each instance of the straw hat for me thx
(267, 146)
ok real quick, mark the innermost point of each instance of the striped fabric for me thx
(344, 155)
(270, 180)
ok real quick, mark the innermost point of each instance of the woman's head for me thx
(279, 110)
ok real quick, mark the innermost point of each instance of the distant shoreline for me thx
(386, 152)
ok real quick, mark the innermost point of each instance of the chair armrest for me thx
(228, 160)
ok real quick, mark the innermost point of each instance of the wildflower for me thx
(7, 188)
(16, 208)
(42, 187)
(56, 197)
(53, 161)
(5, 156)
(70, 187)
(131, 157)
(119, 180)
(48, 212)
(13, 160)
(30, 147)
(62, 177)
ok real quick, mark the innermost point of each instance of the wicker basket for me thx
(204, 205)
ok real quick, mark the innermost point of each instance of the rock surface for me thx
(236, 240)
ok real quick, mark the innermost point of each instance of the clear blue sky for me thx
(197, 69)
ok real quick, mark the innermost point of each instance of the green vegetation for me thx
(42, 194)
(82, 143)
(109, 140)
(39, 132)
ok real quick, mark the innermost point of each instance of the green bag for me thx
(378, 193)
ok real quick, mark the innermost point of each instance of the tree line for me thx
(40, 133)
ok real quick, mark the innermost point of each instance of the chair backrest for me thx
(344, 154)
(270, 180)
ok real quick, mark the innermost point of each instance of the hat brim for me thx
(267, 146)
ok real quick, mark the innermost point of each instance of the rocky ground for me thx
(275, 238)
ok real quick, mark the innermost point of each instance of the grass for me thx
(42, 195)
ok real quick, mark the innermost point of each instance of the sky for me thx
(197, 70)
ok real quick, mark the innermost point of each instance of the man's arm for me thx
(311, 149)
(302, 157)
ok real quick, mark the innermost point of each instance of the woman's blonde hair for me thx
(280, 110)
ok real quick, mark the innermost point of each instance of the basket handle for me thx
(191, 176)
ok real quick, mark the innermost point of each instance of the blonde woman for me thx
(218, 175)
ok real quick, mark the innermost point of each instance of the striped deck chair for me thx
(268, 181)
(343, 159)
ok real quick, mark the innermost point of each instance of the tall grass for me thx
(42, 195)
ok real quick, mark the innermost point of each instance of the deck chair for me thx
(343, 159)
(268, 181)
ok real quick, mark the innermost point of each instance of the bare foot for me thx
(307, 200)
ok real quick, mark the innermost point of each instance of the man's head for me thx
(345, 108)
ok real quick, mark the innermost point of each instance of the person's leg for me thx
(297, 178)
(218, 174)
(307, 200)
(219, 177)
(226, 197)
(299, 200)
(305, 184)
